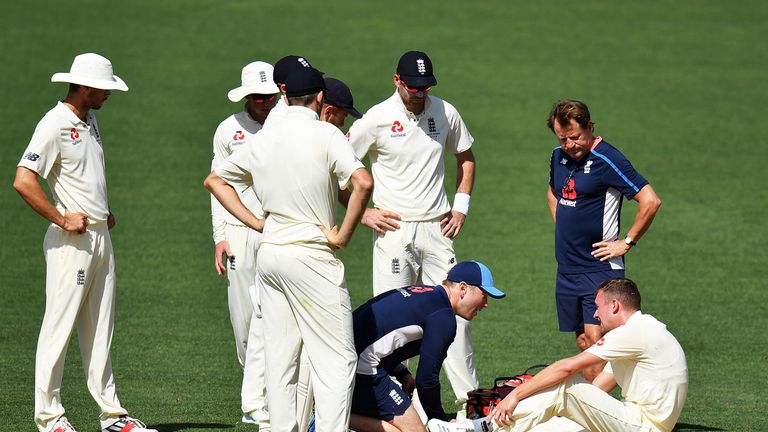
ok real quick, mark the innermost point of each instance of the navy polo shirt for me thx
(589, 196)
(403, 323)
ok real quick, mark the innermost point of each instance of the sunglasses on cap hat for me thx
(414, 90)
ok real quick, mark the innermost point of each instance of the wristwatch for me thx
(628, 240)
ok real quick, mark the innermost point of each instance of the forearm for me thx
(648, 206)
(356, 204)
(465, 172)
(217, 220)
(228, 198)
(27, 186)
(552, 375)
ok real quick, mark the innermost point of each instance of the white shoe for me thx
(62, 425)
(258, 417)
(126, 424)
(436, 425)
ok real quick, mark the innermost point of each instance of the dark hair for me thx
(566, 110)
(623, 290)
(74, 87)
(304, 101)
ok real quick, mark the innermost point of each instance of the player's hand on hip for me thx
(610, 250)
(75, 222)
(221, 249)
(380, 220)
(502, 413)
(111, 222)
(452, 223)
(335, 240)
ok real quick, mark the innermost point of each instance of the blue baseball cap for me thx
(477, 274)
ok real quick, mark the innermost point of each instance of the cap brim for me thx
(353, 112)
(493, 292)
(114, 84)
(237, 94)
(419, 81)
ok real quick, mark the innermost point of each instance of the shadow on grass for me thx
(174, 427)
(683, 427)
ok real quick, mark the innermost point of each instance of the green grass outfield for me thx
(679, 86)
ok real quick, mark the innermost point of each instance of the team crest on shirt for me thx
(397, 129)
(396, 398)
(81, 277)
(395, 266)
(588, 167)
(432, 128)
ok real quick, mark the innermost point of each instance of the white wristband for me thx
(461, 203)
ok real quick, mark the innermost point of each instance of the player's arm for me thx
(465, 181)
(362, 185)
(552, 375)
(221, 245)
(227, 196)
(27, 185)
(648, 204)
(552, 202)
(605, 381)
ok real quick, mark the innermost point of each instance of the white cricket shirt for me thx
(296, 166)
(232, 135)
(278, 112)
(67, 152)
(650, 367)
(406, 154)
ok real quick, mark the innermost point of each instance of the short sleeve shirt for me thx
(589, 197)
(67, 152)
(232, 135)
(296, 166)
(406, 154)
(650, 367)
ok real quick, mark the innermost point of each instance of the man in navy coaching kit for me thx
(587, 180)
(403, 323)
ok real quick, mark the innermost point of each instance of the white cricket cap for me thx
(256, 79)
(91, 70)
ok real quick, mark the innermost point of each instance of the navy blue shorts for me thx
(575, 297)
(379, 397)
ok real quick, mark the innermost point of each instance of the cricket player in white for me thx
(296, 167)
(238, 243)
(66, 150)
(644, 359)
(414, 226)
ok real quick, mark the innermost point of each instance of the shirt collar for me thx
(70, 115)
(294, 110)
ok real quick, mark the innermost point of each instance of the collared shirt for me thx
(296, 167)
(278, 112)
(650, 367)
(406, 154)
(67, 152)
(403, 323)
(589, 197)
(232, 135)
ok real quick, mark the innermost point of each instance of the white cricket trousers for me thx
(582, 402)
(79, 291)
(419, 253)
(305, 306)
(245, 314)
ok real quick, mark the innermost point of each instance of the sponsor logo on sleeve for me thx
(31, 156)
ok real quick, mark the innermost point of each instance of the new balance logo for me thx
(431, 125)
(452, 260)
(263, 76)
(32, 156)
(232, 262)
(396, 397)
(81, 277)
(563, 161)
(395, 266)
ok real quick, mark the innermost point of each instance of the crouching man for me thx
(403, 323)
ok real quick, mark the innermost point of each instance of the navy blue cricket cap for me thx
(477, 274)
(304, 81)
(415, 69)
(338, 94)
(288, 65)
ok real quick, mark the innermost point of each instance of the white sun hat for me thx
(91, 70)
(256, 79)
